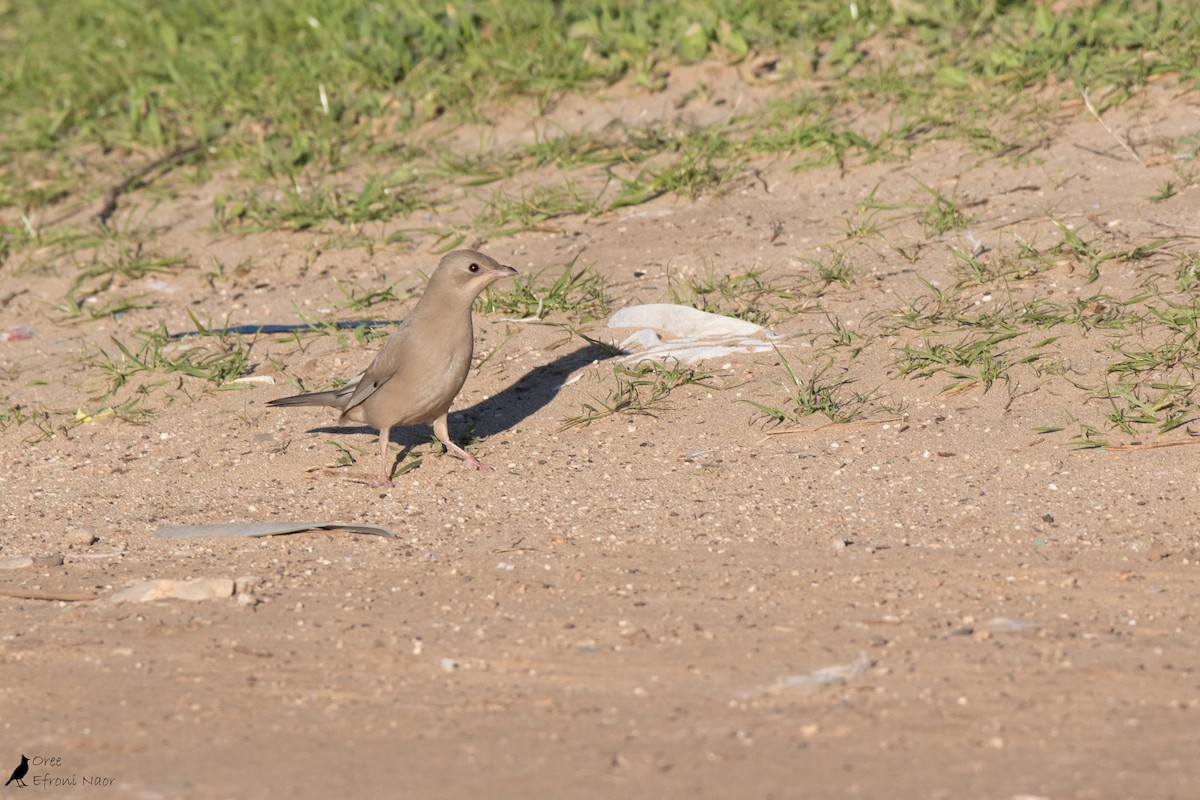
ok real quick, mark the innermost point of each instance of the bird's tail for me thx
(333, 398)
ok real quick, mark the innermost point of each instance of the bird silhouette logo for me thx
(20, 772)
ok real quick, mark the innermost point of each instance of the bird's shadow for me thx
(532, 392)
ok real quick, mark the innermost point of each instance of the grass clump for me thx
(641, 389)
(577, 291)
(826, 392)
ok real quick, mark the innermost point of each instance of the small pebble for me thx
(246, 584)
(79, 538)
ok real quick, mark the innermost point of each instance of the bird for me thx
(20, 772)
(423, 364)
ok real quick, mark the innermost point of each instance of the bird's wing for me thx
(382, 369)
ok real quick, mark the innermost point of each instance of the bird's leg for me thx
(441, 429)
(385, 436)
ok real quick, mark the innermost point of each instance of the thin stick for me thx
(1087, 102)
(37, 594)
(854, 424)
(1150, 446)
(114, 193)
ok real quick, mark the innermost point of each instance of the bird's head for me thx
(467, 273)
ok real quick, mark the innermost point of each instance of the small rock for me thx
(246, 584)
(16, 562)
(199, 589)
(79, 538)
(47, 561)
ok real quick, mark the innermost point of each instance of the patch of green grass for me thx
(157, 354)
(832, 266)
(976, 265)
(577, 291)
(1164, 406)
(1091, 257)
(1090, 438)
(360, 298)
(749, 295)
(973, 360)
(641, 389)
(118, 258)
(1187, 271)
(298, 208)
(942, 214)
(15, 415)
(827, 391)
(868, 216)
(533, 208)
(297, 93)
(686, 164)
(806, 130)
(1164, 192)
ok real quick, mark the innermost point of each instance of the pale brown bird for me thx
(423, 364)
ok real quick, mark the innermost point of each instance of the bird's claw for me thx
(476, 464)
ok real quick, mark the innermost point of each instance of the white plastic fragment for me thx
(691, 335)
(839, 673)
(682, 321)
(1006, 625)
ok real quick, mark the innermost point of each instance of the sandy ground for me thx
(935, 601)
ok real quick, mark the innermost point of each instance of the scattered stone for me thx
(246, 584)
(79, 538)
(199, 589)
(244, 588)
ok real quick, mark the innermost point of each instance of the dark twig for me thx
(113, 195)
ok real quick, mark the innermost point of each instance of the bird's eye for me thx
(474, 268)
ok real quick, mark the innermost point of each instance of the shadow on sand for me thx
(532, 392)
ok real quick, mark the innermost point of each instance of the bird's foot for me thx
(471, 462)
